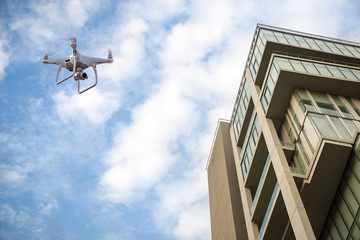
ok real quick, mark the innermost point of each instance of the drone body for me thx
(77, 63)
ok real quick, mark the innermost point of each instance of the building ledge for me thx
(288, 80)
(283, 49)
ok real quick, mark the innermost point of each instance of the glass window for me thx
(273, 73)
(297, 65)
(333, 48)
(348, 74)
(341, 106)
(322, 45)
(310, 68)
(343, 49)
(350, 125)
(344, 134)
(284, 63)
(269, 35)
(322, 69)
(322, 125)
(312, 43)
(354, 106)
(324, 103)
(291, 39)
(281, 38)
(304, 100)
(356, 73)
(335, 71)
(302, 42)
(352, 50)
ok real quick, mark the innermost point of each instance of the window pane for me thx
(324, 103)
(350, 126)
(297, 65)
(269, 35)
(312, 44)
(343, 49)
(280, 37)
(291, 39)
(335, 72)
(341, 106)
(333, 48)
(356, 73)
(322, 45)
(310, 68)
(344, 134)
(322, 69)
(322, 125)
(284, 63)
(302, 42)
(348, 74)
(353, 51)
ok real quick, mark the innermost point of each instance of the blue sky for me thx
(126, 160)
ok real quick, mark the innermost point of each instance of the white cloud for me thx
(12, 175)
(94, 106)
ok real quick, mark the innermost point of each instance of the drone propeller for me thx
(47, 55)
(72, 39)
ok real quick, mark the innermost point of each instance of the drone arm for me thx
(96, 80)
(57, 76)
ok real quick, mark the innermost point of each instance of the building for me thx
(287, 164)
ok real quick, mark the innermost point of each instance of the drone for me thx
(77, 63)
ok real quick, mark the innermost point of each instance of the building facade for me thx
(287, 164)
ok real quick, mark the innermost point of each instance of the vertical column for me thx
(292, 199)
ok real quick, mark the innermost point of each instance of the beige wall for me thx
(227, 220)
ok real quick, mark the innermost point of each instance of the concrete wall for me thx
(227, 218)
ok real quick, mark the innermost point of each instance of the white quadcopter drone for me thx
(77, 63)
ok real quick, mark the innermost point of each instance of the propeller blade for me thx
(47, 55)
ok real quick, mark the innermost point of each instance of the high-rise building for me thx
(287, 164)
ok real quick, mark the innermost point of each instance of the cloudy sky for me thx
(126, 159)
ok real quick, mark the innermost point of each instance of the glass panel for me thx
(268, 35)
(312, 43)
(343, 49)
(353, 106)
(333, 48)
(322, 125)
(324, 103)
(340, 225)
(301, 41)
(350, 126)
(348, 74)
(353, 51)
(310, 68)
(322, 45)
(280, 37)
(345, 212)
(344, 134)
(349, 198)
(291, 39)
(356, 73)
(284, 63)
(341, 106)
(322, 69)
(335, 71)
(297, 65)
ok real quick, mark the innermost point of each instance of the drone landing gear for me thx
(79, 75)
